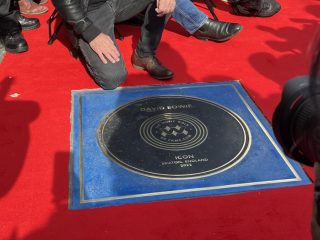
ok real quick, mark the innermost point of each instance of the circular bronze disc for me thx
(174, 137)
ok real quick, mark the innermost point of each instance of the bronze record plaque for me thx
(174, 137)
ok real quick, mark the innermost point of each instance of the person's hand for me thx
(165, 7)
(105, 48)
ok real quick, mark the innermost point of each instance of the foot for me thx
(27, 23)
(217, 31)
(31, 8)
(14, 43)
(255, 8)
(152, 66)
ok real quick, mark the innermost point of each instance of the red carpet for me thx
(35, 131)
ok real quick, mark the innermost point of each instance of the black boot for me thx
(255, 8)
(217, 31)
(26, 23)
(14, 42)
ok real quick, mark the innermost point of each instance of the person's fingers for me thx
(102, 58)
(159, 11)
(111, 51)
(113, 48)
(165, 7)
(114, 54)
(110, 57)
(105, 48)
(160, 8)
(173, 6)
(168, 6)
(160, 14)
(111, 54)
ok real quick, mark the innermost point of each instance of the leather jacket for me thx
(74, 13)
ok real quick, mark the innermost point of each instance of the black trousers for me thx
(316, 205)
(111, 75)
(8, 24)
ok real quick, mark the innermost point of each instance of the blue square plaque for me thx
(151, 143)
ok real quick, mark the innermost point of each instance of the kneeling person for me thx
(95, 28)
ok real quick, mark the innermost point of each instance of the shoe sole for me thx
(36, 13)
(159, 78)
(238, 13)
(219, 40)
(138, 67)
(20, 50)
(30, 28)
(269, 15)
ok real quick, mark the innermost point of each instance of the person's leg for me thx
(4, 7)
(316, 206)
(189, 16)
(202, 27)
(152, 28)
(127, 9)
(7, 20)
(151, 31)
(110, 75)
(143, 57)
(10, 29)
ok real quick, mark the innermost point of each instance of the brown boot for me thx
(152, 65)
(31, 8)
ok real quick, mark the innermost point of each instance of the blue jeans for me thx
(189, 16)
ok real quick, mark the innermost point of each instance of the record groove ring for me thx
(169, 138)
(174, 137)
